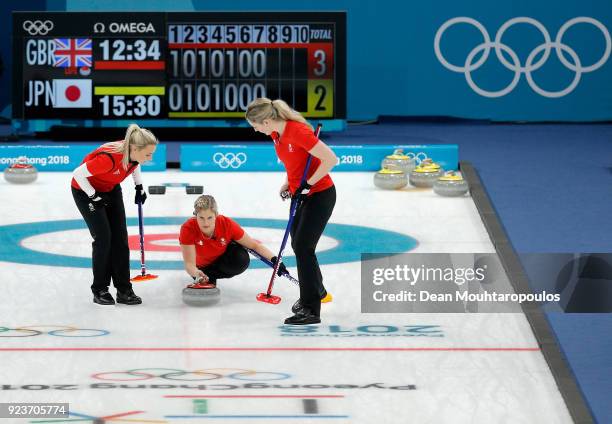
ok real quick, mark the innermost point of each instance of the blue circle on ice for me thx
(352, 240)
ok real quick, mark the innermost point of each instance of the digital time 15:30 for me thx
(130, 105)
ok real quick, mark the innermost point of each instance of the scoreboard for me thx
(176, 66)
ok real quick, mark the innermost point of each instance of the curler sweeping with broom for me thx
(97, 193)
(213, 245)
(295, 142)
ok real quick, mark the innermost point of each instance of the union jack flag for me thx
(72, 52)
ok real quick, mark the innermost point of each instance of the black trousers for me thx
(235, 260)
(308, 225)
(110, 251)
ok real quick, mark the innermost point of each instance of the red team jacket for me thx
(106, 169)
(292, 149)
(208, 249)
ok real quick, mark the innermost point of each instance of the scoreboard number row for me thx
(204, 97)
(185, 34)
(218, 63)
(232, 97)
(247, 63)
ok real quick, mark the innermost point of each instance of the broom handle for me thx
(141, 230)
(267, 262)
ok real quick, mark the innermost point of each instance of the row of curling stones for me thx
(21, 172)
(395, 175)
(201, 293)
(427, 174)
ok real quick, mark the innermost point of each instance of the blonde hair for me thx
(134, 136)
(264, 108)
(205, 202)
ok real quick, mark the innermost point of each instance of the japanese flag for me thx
(72, 93)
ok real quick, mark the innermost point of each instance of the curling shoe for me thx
(297, 306)
(128, 297)
(303, 317)
(103, 297)
(298, 303)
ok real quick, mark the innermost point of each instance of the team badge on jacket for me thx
(222, 241)
(200, 242)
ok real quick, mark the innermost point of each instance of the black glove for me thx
(141, 195)
(282, 269)
(99, 198)
(285, 194)
(302, 191)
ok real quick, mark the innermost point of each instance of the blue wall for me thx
(393, 69)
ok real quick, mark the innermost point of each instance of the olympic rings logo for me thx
(61, 331)
(197, 375)
(531, 64)
(229, 160)
(38, 27)
(418, 158)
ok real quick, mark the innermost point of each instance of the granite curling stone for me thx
(201, 294)
(21, 172)
(425, 174)
(390, 179)
(398, 161)
(451, 184)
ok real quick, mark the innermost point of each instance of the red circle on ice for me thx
(73, 93)
(150, 244)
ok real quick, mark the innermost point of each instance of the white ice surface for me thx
(354, 367)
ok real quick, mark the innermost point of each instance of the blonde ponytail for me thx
(264, 108)
(134, 136)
